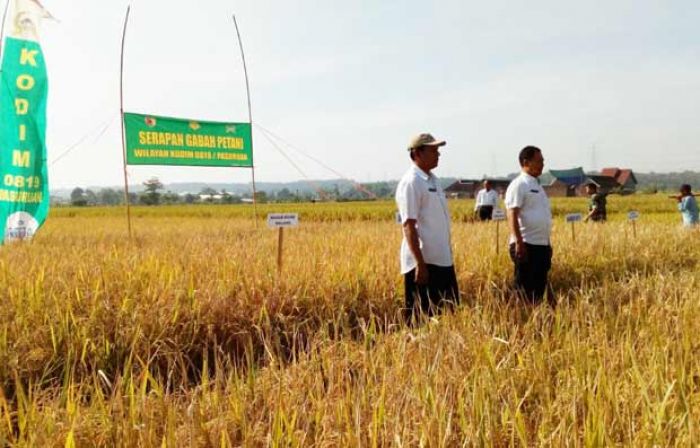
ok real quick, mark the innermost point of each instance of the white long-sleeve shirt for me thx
(484, 197)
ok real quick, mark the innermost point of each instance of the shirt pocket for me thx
(532, 198)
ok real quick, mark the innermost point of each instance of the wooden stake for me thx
(280, 242)
(573, 232)
(498, 237)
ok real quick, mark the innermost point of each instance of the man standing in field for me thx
(486, 201)
(426, 251)
(688, 206)
(597, 210)
(530, 223)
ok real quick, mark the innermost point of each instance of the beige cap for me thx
(425, 139)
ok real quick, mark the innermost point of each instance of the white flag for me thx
(26, 17)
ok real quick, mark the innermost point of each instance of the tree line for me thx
(154, 193)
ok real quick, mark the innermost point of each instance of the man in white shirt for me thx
(426, 251)
(530, 223)
(486, 201)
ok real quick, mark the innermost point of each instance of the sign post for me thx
(498, 215)
(280, 244)
(633, 217)
(573, 218)
(280, 221)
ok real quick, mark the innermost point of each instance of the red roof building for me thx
(624, 177)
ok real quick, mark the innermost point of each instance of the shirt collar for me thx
(425, 176)
(529, 177)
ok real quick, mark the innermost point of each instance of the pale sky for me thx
(349, 82)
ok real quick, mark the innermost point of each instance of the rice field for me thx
(186, 335)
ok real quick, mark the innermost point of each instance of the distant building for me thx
(559, 189)
(500, 184)
(573, 176)
(572, 182)
(210, 197)
(624, 177)
(605, 184)
(566, 183)
(463, 189)
(468, 188)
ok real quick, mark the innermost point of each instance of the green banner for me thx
(24, 192)
(153, 140)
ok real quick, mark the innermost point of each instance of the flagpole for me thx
(250, 119)
(121, 102)
(2, 31)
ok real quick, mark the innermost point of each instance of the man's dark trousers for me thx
(531, 271)
(440, 292)
(485, 212)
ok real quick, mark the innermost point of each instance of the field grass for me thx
(186, 335)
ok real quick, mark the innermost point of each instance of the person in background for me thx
(426, 250)
(688, 206)
(486, 201)
(597, 209)
(530, 222)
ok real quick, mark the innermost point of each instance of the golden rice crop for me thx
(186, 335)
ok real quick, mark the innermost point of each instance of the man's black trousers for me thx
(485, 212)
(531, 271)
(440, 292)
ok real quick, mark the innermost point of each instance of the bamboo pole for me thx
(250, 119)
(697, 195)
(121, 102)
(2, 31)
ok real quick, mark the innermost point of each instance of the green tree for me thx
(261, 197)
(91, 197)
(208, 191)
(77, 197)
(109, 196)
(151, 196)
(171, 198)
(228, 198)
(284, 195)
(207, 194)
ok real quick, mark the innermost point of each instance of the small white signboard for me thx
(498, 214)
(633, 215)
(574, 217)
(282, 220)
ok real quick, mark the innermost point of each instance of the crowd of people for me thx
(426, 250)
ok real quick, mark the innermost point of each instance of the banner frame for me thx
(121, 98)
